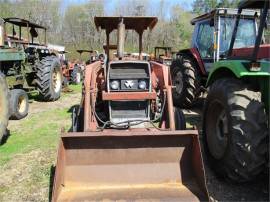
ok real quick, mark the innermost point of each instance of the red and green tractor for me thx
(210, 43)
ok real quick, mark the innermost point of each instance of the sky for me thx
(186, 4)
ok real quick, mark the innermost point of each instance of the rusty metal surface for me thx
(136, 23)
(161, 73)
(129, 166)
(90, 85)
(129, 95)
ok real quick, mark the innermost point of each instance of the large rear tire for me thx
(18, 104)
(235, 130)
(186, 79)
(4, 106)
(49, 78)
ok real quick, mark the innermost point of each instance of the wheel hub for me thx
(217, 129)
(21, 104)
(78, 78)
(222, 126)
(56, 80)
(178, 82)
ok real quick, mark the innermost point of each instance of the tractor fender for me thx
(236, 69)
(194, 53)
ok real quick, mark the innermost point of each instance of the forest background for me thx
(71, 23)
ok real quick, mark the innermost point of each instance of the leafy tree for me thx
(203, 6)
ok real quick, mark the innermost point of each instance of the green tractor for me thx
(210, 43)
(236, 111)
(4, 106)
(28, 64)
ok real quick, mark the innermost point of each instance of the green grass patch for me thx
(40, 131)
(76, 88)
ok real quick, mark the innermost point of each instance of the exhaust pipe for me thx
(120, 39)
(2, 33)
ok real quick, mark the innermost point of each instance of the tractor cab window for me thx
(205, 40)
(267, 29)
(245, 37)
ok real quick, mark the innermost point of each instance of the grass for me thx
(76, 88)
(40, 131)
(27, 156)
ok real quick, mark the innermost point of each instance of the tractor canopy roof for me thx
(132, 23)
(252, 4)
(23, 23)
(223, 11)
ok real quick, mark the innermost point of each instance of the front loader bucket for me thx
(130, 166)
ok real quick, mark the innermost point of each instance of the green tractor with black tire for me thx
(210, 43)
(28, 64)
(236, 111)
(4, 106)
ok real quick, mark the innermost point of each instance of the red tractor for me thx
(128, 142)
(71, 70)
(163, 55)
(93, 56)
(210, 43)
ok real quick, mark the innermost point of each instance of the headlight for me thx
(42, 51)
(114, 85)
(142, 84)
(168, 63)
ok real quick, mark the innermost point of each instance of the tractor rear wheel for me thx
(18, 104)
(4, 106)
(49, 76)
(235, 130)
(76, 75)
(186, 79)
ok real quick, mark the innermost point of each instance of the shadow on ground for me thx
(51, 181)
(5, 137)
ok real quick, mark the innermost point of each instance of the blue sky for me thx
(111, 3)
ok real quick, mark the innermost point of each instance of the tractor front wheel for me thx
(4, 106)
(18, 104)
(49, 78)
(185, 78)
(235, 130)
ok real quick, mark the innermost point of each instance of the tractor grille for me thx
(126, 76)
(129, 75)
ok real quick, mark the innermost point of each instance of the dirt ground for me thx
(35, 165)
